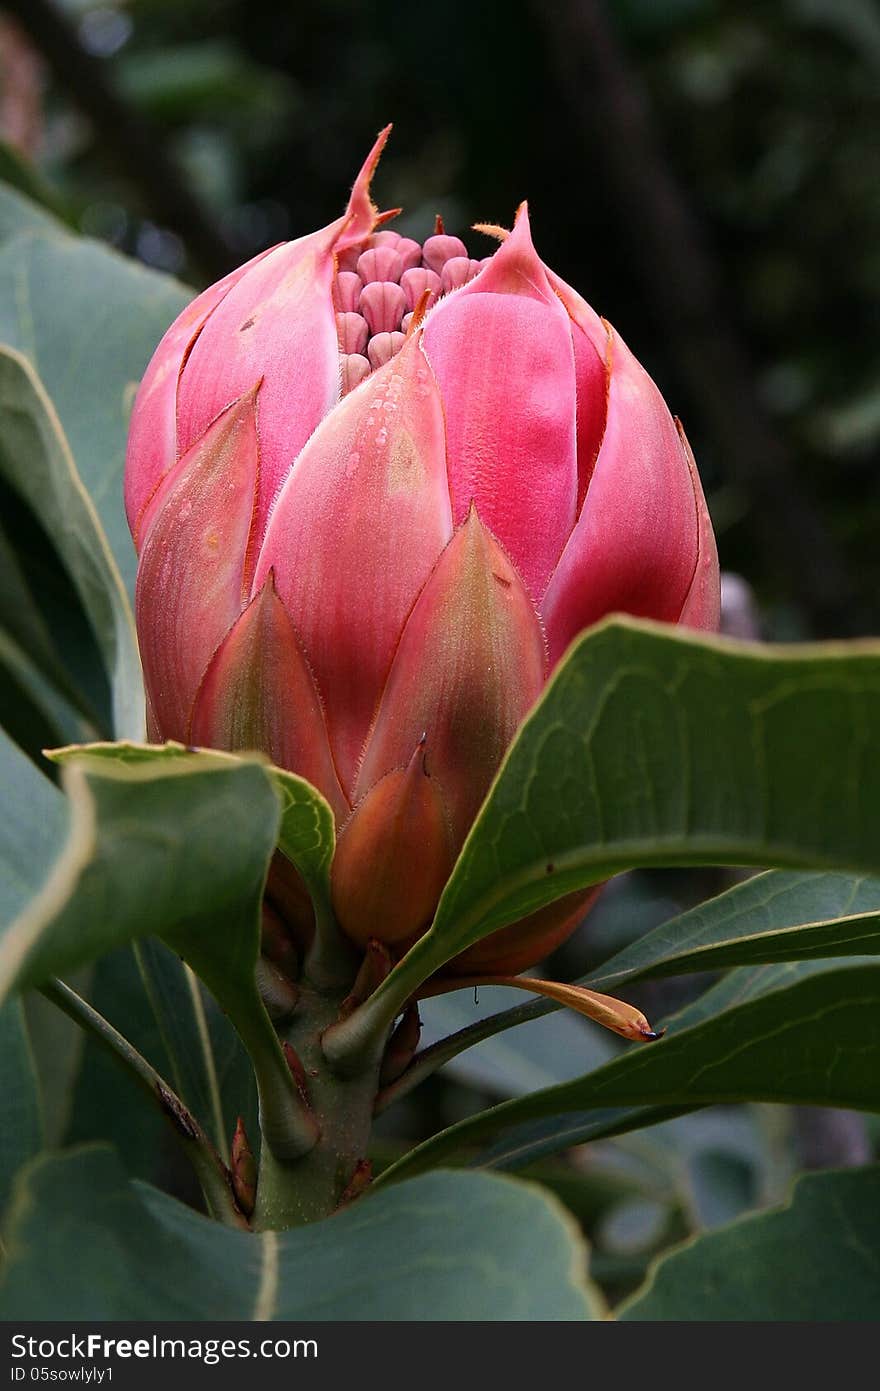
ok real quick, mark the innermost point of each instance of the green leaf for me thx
(36, 460)
(555, 1049)
(88, 320)
(209, 1068)
(32, 838)
(32, 710)
(307, 831)
(449, 1246)
(18, 175)
(21, 1121)
(655, 747)
(19, 213)
(307, 835)
(175, 846)
(814, 1260)
(107, 1103)
(206, 1056)
(777, 916)
(21, 619)
(800, 1033)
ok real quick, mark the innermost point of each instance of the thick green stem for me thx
(331, 961)
(288, 1126)
(292, 1192)
(207, 1164)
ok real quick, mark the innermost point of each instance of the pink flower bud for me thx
(377, 488)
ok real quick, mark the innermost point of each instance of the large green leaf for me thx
(106, 1102)
(777, 916)
(32, 832)
(29, 840)
(175, 846)
(21, 620)
(815, 1260)
(204, 1051)
(448, 1246)
(655, 747)
(88, 320)
(36, 460)
(803, 1033)
(21, 1120)
(19, 213)
(306, 833)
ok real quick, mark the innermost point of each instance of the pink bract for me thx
(377, 489)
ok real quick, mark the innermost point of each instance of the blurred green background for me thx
(705, 173)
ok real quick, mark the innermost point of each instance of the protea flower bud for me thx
(377, 488)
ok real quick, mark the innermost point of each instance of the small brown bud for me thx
(297, 1071)
(243, 1170)
(374, 968)
(358, 1183)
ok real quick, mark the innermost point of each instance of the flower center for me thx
(378, 285)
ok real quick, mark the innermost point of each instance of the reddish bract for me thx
(377, 489)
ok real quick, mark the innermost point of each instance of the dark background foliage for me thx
(702, 170)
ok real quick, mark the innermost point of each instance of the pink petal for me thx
(355, 534)
(192, 572)
(469, 666)
(258, 693)
(592, 344)
(152, 435)
(278, 323)
(634, 548)
(501, 350)
(702, 605)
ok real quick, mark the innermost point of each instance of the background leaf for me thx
(21, 1120)
(799, 1033)
(777, 916)
(88, 320)
(36, 460)
(815, 1260)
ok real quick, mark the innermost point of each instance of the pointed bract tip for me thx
(387, 216)
(419, 312)
(515, 268)
(439, 227)
(361, 214)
